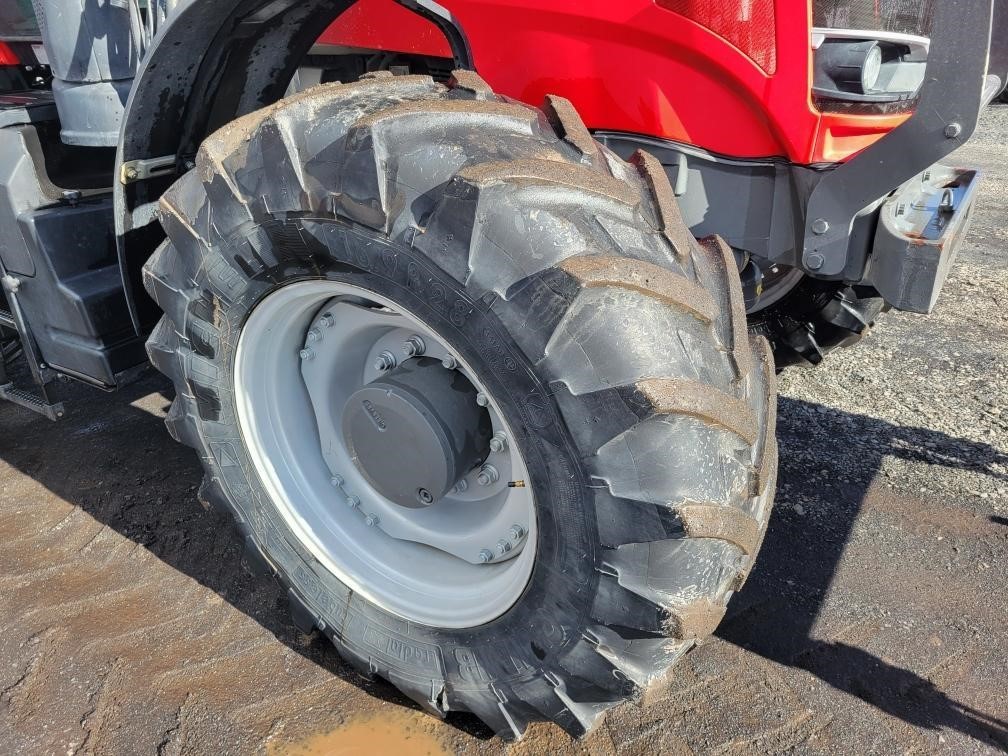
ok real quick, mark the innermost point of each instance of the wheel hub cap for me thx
(416, 431)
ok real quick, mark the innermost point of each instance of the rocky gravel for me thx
(875, 621)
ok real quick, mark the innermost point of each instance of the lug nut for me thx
(414, 347)
(307, 354)
(314, 335)
(498, 443)
(517, 533)
(327, 320)
(462, 486)
(371, 520)
(449, 363)
(486, 555)
(503, 547)
(488, 475)
(336, 480)
(481, 399)
(353, 501)
(385, 361)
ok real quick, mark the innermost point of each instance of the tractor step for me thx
(32, 402)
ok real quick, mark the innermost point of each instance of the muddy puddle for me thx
(402, 733)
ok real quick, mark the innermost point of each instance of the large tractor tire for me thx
(470, 391)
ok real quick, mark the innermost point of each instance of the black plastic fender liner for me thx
(212, 62)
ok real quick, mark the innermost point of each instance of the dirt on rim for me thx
(875, 621)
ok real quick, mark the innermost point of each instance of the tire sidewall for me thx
(554, 610)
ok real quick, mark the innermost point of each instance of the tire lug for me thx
(449, 363)
(307, 354)
(486, 556)
(498, 443)
(386, 361)
(481, 399)
(414, 347)
(503, 547)
(488, 475)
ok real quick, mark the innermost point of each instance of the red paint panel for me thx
(386, 25)
(731, 77)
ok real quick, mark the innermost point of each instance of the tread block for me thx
(669, 217)
(677, 397)
(601, 271)
(568, 125)
(725, 523)
(738, 333)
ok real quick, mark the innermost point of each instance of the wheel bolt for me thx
(481, 399)
(486, 555)
(503, 547)
(371, 520)
(488, 475)
(336, 480)
(385, 361)
(327, 320)
(307, 354)
(449, 363)
(353, 502)
(498, 443)
(461, 487)
(517, 533)
(414, 346)
(314, 335)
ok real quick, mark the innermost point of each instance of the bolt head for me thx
(449, 363)
(462, 486)
(488, 475)
(820, 226)
(498, 443)
(132, 173)
(336, 480)
(327, 320)
(353, 501)
(414, 346)
(314, 335)
(481, 399)
(371, 520)
(517, 532)
(385, 361)
(953, 131)
(503, 547)
(815, 261)
(486, 555)
(307, 354)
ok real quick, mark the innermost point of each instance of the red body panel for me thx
(637, 67)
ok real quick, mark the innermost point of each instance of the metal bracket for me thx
(946, 116)
(139, 170)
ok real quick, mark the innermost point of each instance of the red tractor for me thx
(473, 311)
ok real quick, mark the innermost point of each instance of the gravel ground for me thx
(875, 621)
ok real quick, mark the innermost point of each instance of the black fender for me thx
(213, 61)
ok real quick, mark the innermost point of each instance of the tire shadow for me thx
(829, 460)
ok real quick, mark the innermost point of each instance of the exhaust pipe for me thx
(94, 48)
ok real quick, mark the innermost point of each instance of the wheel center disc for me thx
(416, 431)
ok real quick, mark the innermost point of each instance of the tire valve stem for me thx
(516, 484)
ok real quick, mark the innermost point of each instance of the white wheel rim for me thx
(284, 415)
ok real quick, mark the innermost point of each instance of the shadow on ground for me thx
(116, 462)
